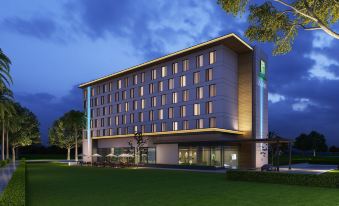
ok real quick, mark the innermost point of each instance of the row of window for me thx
(156, 127)
(122, 119)
(199, 94)
(163, 73)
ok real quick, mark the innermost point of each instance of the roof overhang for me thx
(191, 131)
(232, 41)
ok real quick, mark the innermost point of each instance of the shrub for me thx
(3, 163)
(323, 180)
(14, 193)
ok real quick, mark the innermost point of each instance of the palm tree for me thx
(6, 111)
(5, 77)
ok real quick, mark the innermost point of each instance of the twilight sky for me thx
(55, 45)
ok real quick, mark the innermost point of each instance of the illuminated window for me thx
(110, 86)
(151, 88)
(119, 84)
(185, 65)
(126, 106)
(196, 109)
(199, 92)
(141, 116)
(175, 126)
(196, 77)
(131, 93)
(142, 77)
(199, 123)
(161, 114)
(199, 61)
(212, 90)
(185, 95)
(109, 98)
(161, 86)
(131, 118)
(163, 99)
(163, 71)
(175, 68)
(163, 127)
(135, 105)
(118, 108)
(151, 115)
(135, 128)
(123, 94)
(185, 125)
(135, 79)
(209, 74)
(141, 91)
(212, 57)
(126, 82)
(116, 96)
(209, 107)
(124, 119)
(170, 112)
(143, 103)
(174, 97)
(116, 120)
(183, 111)
(153, 101)
(171, 83)
(183, 81)
(154, 127)
(154, 74)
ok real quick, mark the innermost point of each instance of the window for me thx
(212, 90)
(110, 110)
(109, 98)
(163, 126)
(102, 100)
(160, 86)
(174, 97)
(209, 74)
(154, 127)
(119, 84)
(118, 108)
(199, 92)
(153, 101)
(183, 81)
(183, 111)
(103, 111)
(161, 114)
(196, 77)
(123, 94)
(135, 79)
(171, 83)
(116, 96)
(170, 112)
(135, 105)
(142, 128)
(102, 122)
(110, 86)
(141, 91)
(154, 74)
(151, 115)
(98, 112)
(175, 126)
(185, 65)
(124, 119)
(135, 128)
(209, 107)
(118, 131)
(104, 88)
(126, 106)
(151, 88)
(212, 57)
(141, 117)
(131, 93)
(175, 68)
(142, 77)
(126, 82)
(196, 109)
(163, 99)
(185, 125)
(143, 104)
(131, 118)
(163, 71)
(199, 124)
(200, 61)
(116, 120)
(185, 95)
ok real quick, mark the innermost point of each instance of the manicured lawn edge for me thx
(323, 180)
(14, 193)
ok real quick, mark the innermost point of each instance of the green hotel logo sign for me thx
(262, 72)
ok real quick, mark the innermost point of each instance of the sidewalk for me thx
(6, 174)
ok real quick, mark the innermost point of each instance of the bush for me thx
(323, 180)
(14, 193)
(3, 163)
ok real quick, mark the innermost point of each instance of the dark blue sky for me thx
(57, 44)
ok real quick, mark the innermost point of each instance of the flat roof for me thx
(231, 40)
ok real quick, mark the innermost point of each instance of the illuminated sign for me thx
(262, 72)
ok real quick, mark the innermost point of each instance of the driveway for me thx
(305, 168)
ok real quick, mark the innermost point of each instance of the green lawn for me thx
(56, 184)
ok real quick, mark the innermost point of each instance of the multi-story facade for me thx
(204, 105)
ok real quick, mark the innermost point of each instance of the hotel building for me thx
(204, 105)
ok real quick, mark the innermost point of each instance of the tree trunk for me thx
(76, 149)
(3, 142)
(13, 154)
(7, 146)
(314, 153)
(68, 153)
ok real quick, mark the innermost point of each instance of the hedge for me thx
(14, 193)
(323, 180)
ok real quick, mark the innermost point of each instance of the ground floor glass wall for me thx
(126, 154)
(219, 156)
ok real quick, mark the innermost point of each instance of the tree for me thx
(24, 129)
(5, 77)
(313, 141)
(333, 149)
(280, 23)
(75, 122)
(139, 143)
(66, 131)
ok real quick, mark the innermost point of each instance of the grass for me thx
(56, 184)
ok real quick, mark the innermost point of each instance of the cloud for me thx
(275, 98)
(301, 104)
(321, 40)
(322, 67)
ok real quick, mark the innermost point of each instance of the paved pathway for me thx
(6, 174)
(305, 168)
